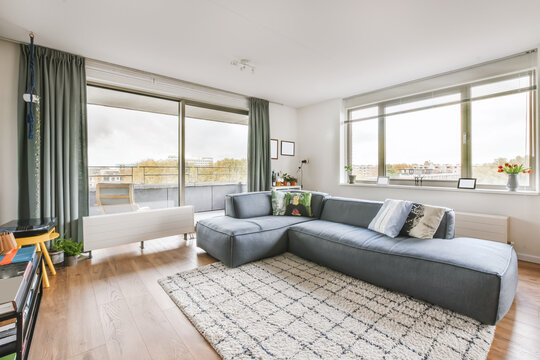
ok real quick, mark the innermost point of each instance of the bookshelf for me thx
(25, 315)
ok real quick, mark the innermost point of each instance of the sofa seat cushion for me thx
(236, 241)
(475, 254)
(474, 277)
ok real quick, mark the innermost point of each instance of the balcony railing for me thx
(165, 175)
(157, 186)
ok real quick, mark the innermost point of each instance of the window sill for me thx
(440, 188)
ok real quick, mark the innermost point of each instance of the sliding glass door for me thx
(139, 144)
(215, 156)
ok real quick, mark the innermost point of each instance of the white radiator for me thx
(482, 226)
(104, 231)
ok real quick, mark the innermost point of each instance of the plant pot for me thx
(512, 183)
(57, 257)
(71, 260)
(293, 183)
(352, 179)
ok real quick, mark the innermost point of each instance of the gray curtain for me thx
(53, 172)
(259, 166)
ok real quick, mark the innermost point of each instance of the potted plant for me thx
(293, 181)
(289, 179)
(513, 171)
(56, 252)
(286, 179)
(72, 251)
(352, 178)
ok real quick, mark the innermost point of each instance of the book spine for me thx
(28, 270)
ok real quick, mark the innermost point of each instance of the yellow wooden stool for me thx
(39, 242)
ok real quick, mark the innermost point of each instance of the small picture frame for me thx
(274, 149)
(466, 183)
(287, 148)
(383, 180)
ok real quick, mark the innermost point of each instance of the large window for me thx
(438, 137)
(136, 144)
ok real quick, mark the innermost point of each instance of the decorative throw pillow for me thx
(278, 202)
(391, 217)
(298, 204)
(423, 221)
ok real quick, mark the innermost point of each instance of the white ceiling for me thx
(305, 51)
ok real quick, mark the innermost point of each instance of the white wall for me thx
(283, 125)
(9, 74)
(320, 142)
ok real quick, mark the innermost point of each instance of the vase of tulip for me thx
(513, 171)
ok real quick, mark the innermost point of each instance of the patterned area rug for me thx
(289, 308)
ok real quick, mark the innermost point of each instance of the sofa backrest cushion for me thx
(361, 212)
(255, 204)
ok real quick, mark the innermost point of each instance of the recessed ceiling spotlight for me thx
(243, 64)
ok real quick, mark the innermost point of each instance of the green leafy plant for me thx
(57, 245)
(348, 168)
(288, 178)
(513, 169)
(72, 248)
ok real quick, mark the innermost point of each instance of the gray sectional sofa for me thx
(474, 277)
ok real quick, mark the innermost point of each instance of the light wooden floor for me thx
(111, 307)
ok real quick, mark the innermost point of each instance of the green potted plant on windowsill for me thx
(72, 251)
(56, 251)
(352, 178)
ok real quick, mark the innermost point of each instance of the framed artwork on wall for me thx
(287, 148)
(274, 149)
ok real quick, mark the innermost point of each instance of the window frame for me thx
(466, 126)
(182, 103)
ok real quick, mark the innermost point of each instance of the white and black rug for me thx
(289, 308)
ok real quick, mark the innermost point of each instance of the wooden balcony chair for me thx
(115, 198)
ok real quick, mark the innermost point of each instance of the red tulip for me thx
(506, 164)
(515, 165)
(500, 170)
(500, 167)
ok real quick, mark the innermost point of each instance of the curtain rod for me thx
(149, 73)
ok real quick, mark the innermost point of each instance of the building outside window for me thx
(440, 136)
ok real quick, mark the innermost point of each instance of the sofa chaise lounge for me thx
(474, 277)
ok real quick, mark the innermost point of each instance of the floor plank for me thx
(111, 307)
(83, 325)
(156, 331)
(123, 339)
(99, 353)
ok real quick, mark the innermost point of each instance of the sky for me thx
(120, 136)
(499, 129)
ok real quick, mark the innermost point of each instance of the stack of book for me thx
(19, 282)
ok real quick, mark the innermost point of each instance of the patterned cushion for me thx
(423, 221)
(391, 217)
(298, 204)
(278, 202)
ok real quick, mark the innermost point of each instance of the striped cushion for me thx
(391, 217)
